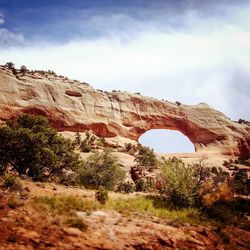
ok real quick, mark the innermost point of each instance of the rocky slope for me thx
(74, 106)
(105, 229)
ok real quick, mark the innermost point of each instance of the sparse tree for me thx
(23, 69)
(179, 184)
(10, 65)
(33, 148)
(77, 138)
(101, 170)
(146, 156)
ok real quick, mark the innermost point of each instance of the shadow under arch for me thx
(167, 141)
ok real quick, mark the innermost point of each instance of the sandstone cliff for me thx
(75, 106)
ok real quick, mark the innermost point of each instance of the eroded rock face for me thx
(75, 106)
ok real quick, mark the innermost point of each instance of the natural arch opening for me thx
(167, 141)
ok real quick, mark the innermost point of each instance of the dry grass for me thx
(66, 205)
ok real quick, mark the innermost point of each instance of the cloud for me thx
(187, 56)
(1, 18)
(190, 52)
(8, 38)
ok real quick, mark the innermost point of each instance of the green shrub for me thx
(78, 138)
(145, 156)
(126, 187)
(23, 69)
(227, 212)
(10, 65)
(87, 144)
(14, 71)
(101, 142)
(9, 181)
(101, 195)
(130, 148)
(101, 169)
(34, 149)
(141, 185)
(178, 182)
(51, 72)
(241, 182)
(85, 147)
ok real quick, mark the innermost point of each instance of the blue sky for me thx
(187, 50)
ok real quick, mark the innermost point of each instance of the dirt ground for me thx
(24, 227)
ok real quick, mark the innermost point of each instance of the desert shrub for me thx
(101, 169)
(34, 149)
(126, 187)
(85, 147)
(193, 185)
(101, 142)
(217, 201)
(23, 69)
(77, 140)
(87, 143)
(146, 156)
(130, 148)
(141, 185)
(201, 171)
(210, 193)
(10, 65)
(14, 71)
(101, 195)
(178, 182)
(9, 180)
(241, 183)
(227, 213)
(51, 72)
(229, 164)
(240, 121)
(242, 162)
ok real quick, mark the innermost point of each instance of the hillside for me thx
(29, 220)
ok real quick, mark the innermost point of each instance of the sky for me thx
(187, 50)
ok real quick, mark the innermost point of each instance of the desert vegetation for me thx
(167, 189)
(100, 170)
(89, 143)
(34, 149)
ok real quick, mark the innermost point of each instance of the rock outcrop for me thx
(75, 106)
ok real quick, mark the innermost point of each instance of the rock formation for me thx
(74, 106)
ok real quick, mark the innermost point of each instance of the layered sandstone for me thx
(75, 106)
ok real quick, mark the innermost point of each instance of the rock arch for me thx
(72, 106)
